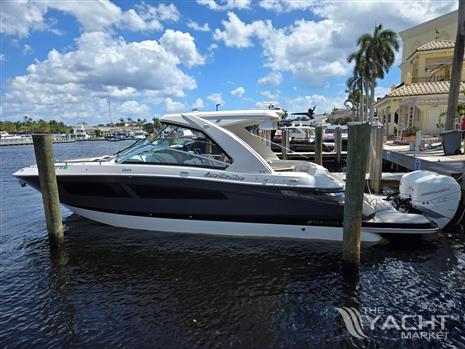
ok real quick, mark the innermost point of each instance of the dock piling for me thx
(357, 152)
(43, 149)
(319, 145)
(376, 157)
(284, 143)
(338, 147)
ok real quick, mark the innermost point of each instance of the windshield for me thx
(175, 145)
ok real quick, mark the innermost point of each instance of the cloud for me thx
(239, 34)
(270, 95)
(183, 46)
(27, 50)
(198, 104)
(238, 92)
(196, 26)
(21, 17)
(216, 98)
(315, 51)
(173, 106)
(285, 5)
(101, 66)
(225, 4)
(273, 79)
(133, 109)
(323, 103)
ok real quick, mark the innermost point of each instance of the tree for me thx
(457, 64)
(374, 58)
(156, 123)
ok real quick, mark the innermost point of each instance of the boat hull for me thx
(223, 228)
(198, 206)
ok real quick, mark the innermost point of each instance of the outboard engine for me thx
(435, 196)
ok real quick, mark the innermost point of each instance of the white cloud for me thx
(323, 103)
(27, 50)
(173, 106)
(216, 98)
(2, 57)
(196, 26)
(183, 46)
(69, 84)
(270, 95)
(285, 5)
(315, 51)
(239, 34)
(133, 109)
(273, 79)
(21, 17)
(223, 5)
(198, 104)
(238, 92)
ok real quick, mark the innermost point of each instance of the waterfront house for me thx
(419, 102)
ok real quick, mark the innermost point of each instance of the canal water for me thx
(124, 288)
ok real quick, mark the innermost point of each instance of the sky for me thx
(65, 60)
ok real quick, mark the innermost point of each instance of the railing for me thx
(431, 78)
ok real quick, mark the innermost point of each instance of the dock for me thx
(28, 141)
(310, 155)
(432, 159)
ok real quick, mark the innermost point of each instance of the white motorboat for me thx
(206, 173)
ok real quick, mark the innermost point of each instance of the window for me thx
(175, 145)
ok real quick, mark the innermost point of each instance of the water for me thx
(115, 287)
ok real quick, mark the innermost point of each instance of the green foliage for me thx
(148, 127)
(29, 125)
(98, 133)
(342, 121)
(157, 124)
(411, 131)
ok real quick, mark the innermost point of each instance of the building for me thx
(419, 102)
(341, 114)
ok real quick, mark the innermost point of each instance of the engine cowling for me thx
(436, 196)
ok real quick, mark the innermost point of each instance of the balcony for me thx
(431, 78)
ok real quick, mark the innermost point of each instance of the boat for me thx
(206, 173)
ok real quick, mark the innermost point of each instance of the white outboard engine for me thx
(436, 196)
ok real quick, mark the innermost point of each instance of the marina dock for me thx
(432, 159)
(28, 141)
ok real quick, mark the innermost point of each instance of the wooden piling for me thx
(319, 145)
(43, 149)
(357, 153)
(338, 147)
(284, 143)
(376, 157)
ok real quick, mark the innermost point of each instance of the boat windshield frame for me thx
(156, 141)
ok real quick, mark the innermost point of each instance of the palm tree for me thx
(457, 64)
(354, 91)
(374, 58)
(361, 77)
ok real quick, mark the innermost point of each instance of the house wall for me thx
(423, 33)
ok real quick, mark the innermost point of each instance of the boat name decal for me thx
(233, 177)
(126, 170)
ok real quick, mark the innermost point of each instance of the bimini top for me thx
(245, 158)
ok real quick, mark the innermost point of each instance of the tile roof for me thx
(423, 88)
(436, 45)
(433, 45)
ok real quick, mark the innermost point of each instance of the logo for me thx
(233, 177)
(367, 321)
(353, 322)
